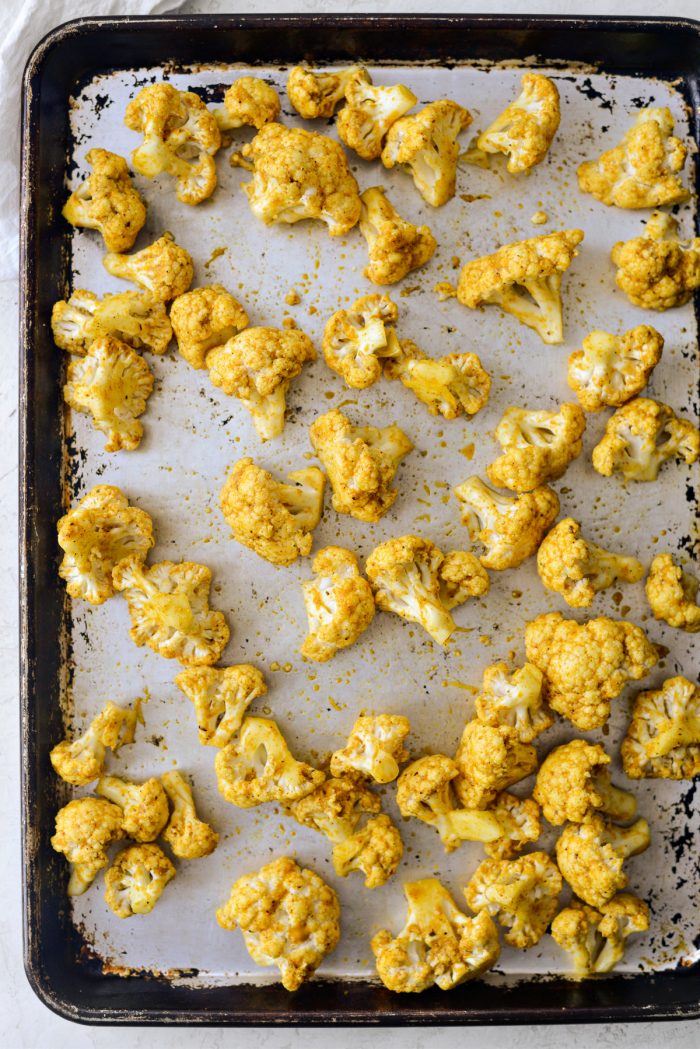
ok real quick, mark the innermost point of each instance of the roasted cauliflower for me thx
(453, 385)
(374, 748)
(396, 246)
(610, 370)
(510, 528)
(144, 805)
(356, 341)
(107, 201)
(85, 828)
(335, 807)
(258, 767)
(521, 895)
(221, 697)
(315, 94)
(339, 604)
(370, 111)
(577, 569)
(663, 738)
(538, 446)
(136, 880)
(525, 129)
(520, 825)
(673, 594)
(133, 317)
(657, 271)
(596, 939)
(489, 759)
(426, 144)
(83, 760)
(163, 269)
(573, 781)
(514, 700)
(591, 854)
(189, 837)
(204, 320)
(248, 102)
(375, 850)
(640, 437)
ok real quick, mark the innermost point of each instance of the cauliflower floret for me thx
(136, 880)
(577, 569)
(374, 748)
(640, 437)
(257, 366)
(370, 111)
(189, 837)
(524, 279)
(643, 171)
(538, 446)
(515, 701)
(453, 385)
(426, 143)
(299, 175)
(339, 604)
(180, 136)
(112, 383)
(289, 917)
(248, 102)
(590, 856)
(97, 535)
(133, 317)
(520, 894)
(107, 201)
(511, 528)
(520, 822)
(355, 341)
(587, 665)
(657, 271)
(204, 320)
(663, 738)
(221, 698)
(396, 246)
(361, 462)
(258, 767)
(85, 828)
(610, 370)
(83, 760)
(424, 790)
(144, 805)
(489, 759)
(594, 939)
(273, 519)
(438, 945)
(163, 268)
(673, 594)
(573, 781)
(525, 129)
(169, 609)
(376, 850)
(335, 807)
(462, 576)
(314, 94)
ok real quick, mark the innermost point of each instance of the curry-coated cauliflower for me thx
(591, 854)
(396, 246)
(204, 320)
(133, 317)
(573, 781)
(136, 880)
(315, 94)
(587, 665)
(521, 895)
(100, 532)
(289, 917)
(514, 700)
(163, 269)
(657, 270)
(299, 175)
(370, 111)
(538, 446)
(438, 945)
(361, 462)
(85, 828)
(259, 767)
(107, 201)
(640, 437)
(339, 604)
(81, 761)
(644, 170)
(663, 738)
(355, 341)
(180, 137)
(221, 697)
(374, 748)
(596, 939)
(489, 759)
(525, 129)
(453, 385)
(375, 850)
(335, 807)
(426, 144)
(510, 528)
(610, 370)
(524, 279)
(248, 102)
(144, 805)
(673, 594)
(189, 837)
(257, 366)
(577, 569)
(169, 609)
(520, 825)
(273, 519)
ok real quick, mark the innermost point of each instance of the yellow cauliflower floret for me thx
(258, 767)
(85, 828)
(169, 609)
(489, 759)
(453, 385)
(163, 269)
(573, 781)
(595, 939)
(133, 317)
(189, 837)
(396, 246)
(361, 462)
(538, 446)
(112, 383)
(107, 201)
(180, 137)
(273, 519)
(610, 370)
(514, 700)
(521, 895)
(289, 917)
(520, 824)
(657, 271)
(136, 880)
(462, 576)
(299, 175)
(640, 437)
(335, 807)
(587, 665)
(374, 748)
(248, 102)
(83, 760)
(315, 94)
(98, 534)
(438, 945)
(591, 854)
(356, 341)
(370, 111)
(673, 594)
(510, 528)
(524, 279)
(525, 129)
(339, 604)
(144, 805)
(204, 320)
(257, 366)
(426, 144)
(221, 697)
(643, 171)
(577, 569)
(663, 738)
(376, 850)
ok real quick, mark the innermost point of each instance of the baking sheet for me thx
(194, 433)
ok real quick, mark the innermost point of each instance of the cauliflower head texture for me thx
(248, 102)
(163, 269)
(85, 828)
(520, 825)
(520, 894)
(489, 759)
(137, 879)
(259, 767)
(594, 939)
(453, 385)
(640, 437)
(538, 446)
(144, 805)
(189, 837)
(514, 700)
(510, 528)
(577, 569)
(370, 111)
(355, 341)
(221, 697)
(574, 780)
(591, 856)
(133, 317)
(396, 246)
(374, 748)
(657, 271)
(82, 760)
(339, 604)
(610, 370)
(673, 594)
(663, 737)
(204, 320)
(107, 201)
(426, 144)
(375, 850)
(525, 129)
(314, 94)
